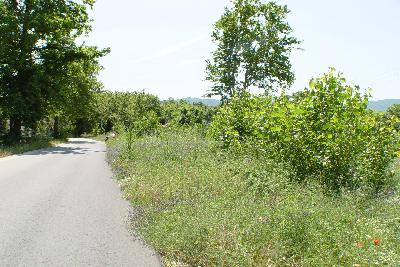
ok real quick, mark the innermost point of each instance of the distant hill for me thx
(205, 101)
(383, 105)
(380, 105)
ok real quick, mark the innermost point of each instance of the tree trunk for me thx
(79, 127)
(15, 133)
(3, 125)
(56, 127)
(24, 57)
(246, 84)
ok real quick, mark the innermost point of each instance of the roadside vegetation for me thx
(296, 190)
(199, 205)
(270, 179)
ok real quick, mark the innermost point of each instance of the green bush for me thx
(237, 121)
(184, 113)
(394, 111)
(325, 133)
(146, 125)
(120, 111)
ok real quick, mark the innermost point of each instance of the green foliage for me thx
(130, 114)
(238, 121)
(254, 43)
(325, 133)
(41, 65)
(122, 111)
(140, 113)
(147, 124)
(183, 113)
(394, 111)
(202, 206)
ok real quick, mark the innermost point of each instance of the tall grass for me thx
(202, 206)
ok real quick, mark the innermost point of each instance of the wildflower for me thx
(377, 242)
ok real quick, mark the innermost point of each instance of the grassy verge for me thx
(201, 206)
(26, 145)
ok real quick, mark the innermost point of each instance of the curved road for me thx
(60, 207)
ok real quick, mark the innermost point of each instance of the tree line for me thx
(44, 69)
(48, 78)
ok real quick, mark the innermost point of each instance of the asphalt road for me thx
(60, 207)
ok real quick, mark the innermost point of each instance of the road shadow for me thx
(80, 142)
(58, 151)
(72, 147)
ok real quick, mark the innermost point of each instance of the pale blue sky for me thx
(161, 45)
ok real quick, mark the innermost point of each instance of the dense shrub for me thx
(121, 110)
(394, 111)
(238, 121)
(326, 132)
(184, 113)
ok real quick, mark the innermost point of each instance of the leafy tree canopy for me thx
(40, 58)
(254, 42)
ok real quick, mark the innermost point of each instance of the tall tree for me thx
(38, 42)
(254, 43)
(77, 84)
